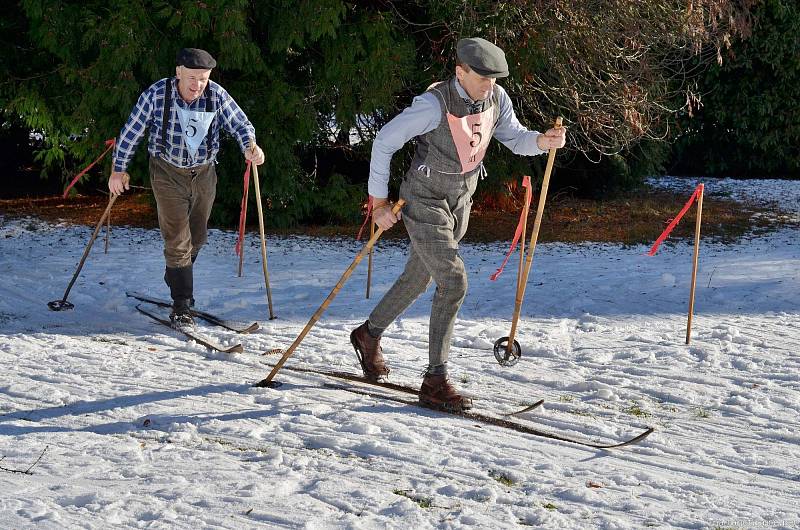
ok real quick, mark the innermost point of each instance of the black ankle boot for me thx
(181, 314)
(181, 284)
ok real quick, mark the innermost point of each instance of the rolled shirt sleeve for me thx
(235, 121)
(132, 132)
(510, 132)
(421, 117)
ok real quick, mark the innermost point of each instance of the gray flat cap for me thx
(482, 56)
(196, 58)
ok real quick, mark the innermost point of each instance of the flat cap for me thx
(482, 56)
(196, 58)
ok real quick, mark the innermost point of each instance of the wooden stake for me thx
(695, 261)
(241, 246)
(551, 157)
(257, 187)
(318, 314)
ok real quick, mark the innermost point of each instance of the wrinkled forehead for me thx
(197, 73)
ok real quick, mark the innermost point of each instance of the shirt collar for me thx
(463, 93)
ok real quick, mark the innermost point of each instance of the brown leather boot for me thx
(437, 392)
(369, 353)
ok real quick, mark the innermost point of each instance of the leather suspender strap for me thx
(167, 115)
(209, 108)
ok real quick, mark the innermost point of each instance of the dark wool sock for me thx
(373, 331)
(439, 369)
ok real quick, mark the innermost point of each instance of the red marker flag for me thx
(526, 183)
(366, 218)
(110, 143)
(675, 221)
(242, 215)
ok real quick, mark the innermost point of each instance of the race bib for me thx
(194, 124)
(471, 134)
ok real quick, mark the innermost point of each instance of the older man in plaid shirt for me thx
(184, 114)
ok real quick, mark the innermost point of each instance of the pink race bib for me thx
(471, 134)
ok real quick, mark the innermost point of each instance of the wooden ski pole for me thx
(58, 305)
(318, 314)
(241, 246)
(257, 187)
(551, 157)
(695, 261)
(108, 231)
(523, 235)
(371, 250)
(520, 269)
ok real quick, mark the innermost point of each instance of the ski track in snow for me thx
(144, 429)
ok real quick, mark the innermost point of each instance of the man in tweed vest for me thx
(452, 123)
(184, 115)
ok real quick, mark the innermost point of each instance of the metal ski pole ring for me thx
(60, 305)
(522, 279)
(502, 353)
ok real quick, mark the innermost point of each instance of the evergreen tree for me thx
(748, 123)
(318, 78)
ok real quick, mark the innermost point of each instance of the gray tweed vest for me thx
(436, 151)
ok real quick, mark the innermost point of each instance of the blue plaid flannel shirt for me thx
(148, 113)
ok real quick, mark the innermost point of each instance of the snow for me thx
(138, 428)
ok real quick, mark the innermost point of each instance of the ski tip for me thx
(252, 328)
(636, 439)
(526, 409)
(647, 432)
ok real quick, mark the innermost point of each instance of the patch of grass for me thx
(550, 506)
(700, 412)
(110, 340)
(567, 398)
(464, 379)
(232, 445)
(629, 219)
(636, 410)
(502, 478)
(135, 209)
(422, 502)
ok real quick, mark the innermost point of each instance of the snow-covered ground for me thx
(138, 428)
